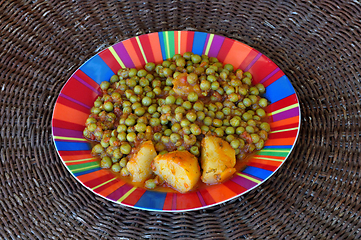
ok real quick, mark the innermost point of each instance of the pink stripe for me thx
(62, 132)
(174, 201)
(201, 199)
(253, 61)
(205, 44)
(86, 84)
(73, 100)
(270, 75)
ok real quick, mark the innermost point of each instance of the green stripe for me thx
(166, 44)
(83, 167)
(171, 43)
(275, 152)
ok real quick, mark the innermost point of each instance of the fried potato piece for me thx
(139, 165)
(182, 87)
(180, 169)
(217, 160)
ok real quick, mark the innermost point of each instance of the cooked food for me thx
(139, 164)
(217, 159)
(179, 169)
(172, 106)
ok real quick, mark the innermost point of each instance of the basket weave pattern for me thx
(315, 194)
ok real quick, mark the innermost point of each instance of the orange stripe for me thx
(284, 122)
(220, 192)
(242, 51)
(93, 175)
(184, 36)
(76, 157)
(265, 156)
(176, 50)
(157, 51)
(65, 113)
(114, 186)
(280, 141)
(266, 162)
(131, 51)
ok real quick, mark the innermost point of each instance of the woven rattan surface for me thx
(314, 195)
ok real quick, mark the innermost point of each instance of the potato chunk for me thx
(139, 165)
(217, 160)
(180, 169)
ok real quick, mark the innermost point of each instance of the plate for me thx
(73, 105)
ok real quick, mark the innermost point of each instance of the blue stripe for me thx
(72, 146)
(88, 171)
(279, 146)
(257, 172)
(161, 41)
(97, 69)
(278, 90)
(152, 200)
(198, 42)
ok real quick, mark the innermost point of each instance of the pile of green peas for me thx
(138, 105)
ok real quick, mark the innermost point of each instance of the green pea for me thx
(133, 99)
(179, 101)
(253, 98)
(157, 90)
(211, 78)
(104, 144)
(196, 58)
(250, 129)
(186, 130)
(220, 115)
(255, 138)
(217, 122)
(166, 109)
(139, 111)
(117, 154)
(247, 81)
(226, 122)
(191, 116)
(233, 97)
(104, 85)
(263, 102)
(92, 127)
(235, 143)
(168, 132)
(129, 122)
(259, 145)
(205, 85)
(176, 127)
(124, 172)
(219, 132)
(247, 74)
(106, 162)
(157, 136)
(194, 150)
(235, 122)
(192, 97)
(187, 105)
(108, 106)
(136, 105)
(174, 137)
(240, 130)
(229, 67)
(121, 128)
(198, 106)
(131, 137)
(260, 112)
(252, 123)
(265, 126)
(152, 109)
(260, 88)
(230, 130)
(208, 121)
(154, 122)
(170, 100)
(246, 116)
(215, 85)
(156, 115)
(122, 136)
(116, 168)
(140, 127)
(150, 184)
(201, 116)
(195, 129)
(146, 101)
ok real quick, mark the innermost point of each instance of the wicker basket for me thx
(315, 195)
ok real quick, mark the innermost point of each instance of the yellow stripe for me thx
(285, 130)
(80, 160)
(179, 42)
(271, 159)
(84, 168)
(141, 49)
(249, 178)
(69, 138)
(103, 183)
(127, 194)
(111, 49)
(209, 43)
(167, 41)
(283, 109)
(267, 150)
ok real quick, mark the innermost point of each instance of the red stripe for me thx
(226, 46)
(72, 104)
(105, 186)
(87, 79)
(293, 125)
(274, 78)
(147, 48)
(168, 201)
(264, 166)
(262, 68)
(251, 55)
(234, 187)
(78, 91)
(207, 197)
(137, 50)
(285, 102)
(110, 60)
(67, 125)
(74, 153)
(286, 134)
(188, 201)
(97, 181)
(190, 37)
(134, 197)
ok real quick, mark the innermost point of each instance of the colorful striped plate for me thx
(77, 96)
